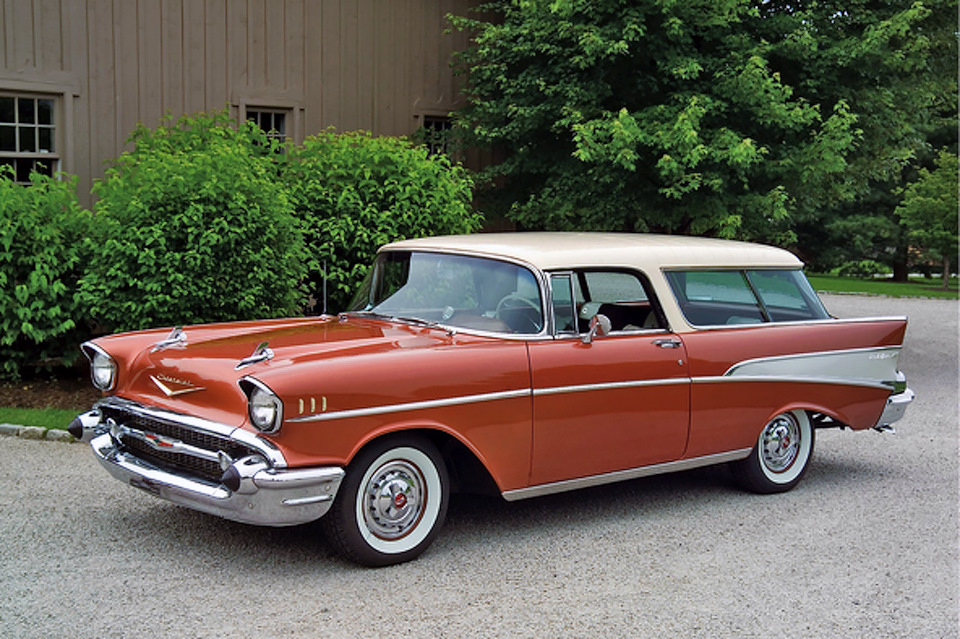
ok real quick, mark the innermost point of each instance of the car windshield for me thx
(453, 290)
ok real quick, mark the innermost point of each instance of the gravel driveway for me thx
(866, 546)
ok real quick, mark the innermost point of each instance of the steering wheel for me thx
(514, 302)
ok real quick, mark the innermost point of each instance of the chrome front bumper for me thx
(894, 410)
(251, 491)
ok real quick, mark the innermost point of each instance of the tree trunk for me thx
(900, 273)
(946, 272)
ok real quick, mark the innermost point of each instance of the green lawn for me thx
(44, 417)
(916, 287)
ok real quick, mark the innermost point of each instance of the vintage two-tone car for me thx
(523, 364)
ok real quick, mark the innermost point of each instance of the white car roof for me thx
(649, 252)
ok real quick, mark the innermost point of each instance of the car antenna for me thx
(324, 287)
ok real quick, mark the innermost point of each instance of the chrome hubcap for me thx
(394, 499)
(780, 443)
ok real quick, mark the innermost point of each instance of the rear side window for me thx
(729, 297)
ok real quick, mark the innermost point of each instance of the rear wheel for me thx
(781, 456)
(392, 502)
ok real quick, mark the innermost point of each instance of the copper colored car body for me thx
(522, 364)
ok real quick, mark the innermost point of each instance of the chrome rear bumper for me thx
(894, 410)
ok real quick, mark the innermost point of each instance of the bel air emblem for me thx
(172, 386)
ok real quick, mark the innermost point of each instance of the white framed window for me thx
(28, 134)
(274, 122)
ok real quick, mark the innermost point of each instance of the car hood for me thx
(200, 374)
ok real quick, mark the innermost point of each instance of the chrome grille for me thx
(195, 466)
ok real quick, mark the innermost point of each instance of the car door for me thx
(616, 402)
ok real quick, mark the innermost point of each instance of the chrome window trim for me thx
(826, 320)
(623, 475)
(266, 448)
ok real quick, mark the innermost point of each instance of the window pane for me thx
(23, 167)
(456, 290)
(45, 167)
(787, 296)
(26, 108)
(563, 315)
(8, 138)
(710, 298)
(28, 139)
(7, 112)
(46, 140)
(45, 111)
(614, 287)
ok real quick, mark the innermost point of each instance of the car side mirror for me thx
(599, 326)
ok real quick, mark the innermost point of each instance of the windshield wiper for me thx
(402, 318)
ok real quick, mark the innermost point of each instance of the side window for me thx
(710, 298)
(787, 296)
(620, 295)
(713, 298)
(564, 314)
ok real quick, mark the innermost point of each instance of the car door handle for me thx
(667, 343)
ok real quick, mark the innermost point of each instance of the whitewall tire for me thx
(392, 502)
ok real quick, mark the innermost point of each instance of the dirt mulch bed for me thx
(68, 394)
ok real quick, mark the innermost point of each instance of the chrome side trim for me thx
(837, 381)
(266, 448)
(622, 475)
(578, 388)
(872, 367)
(396, 408)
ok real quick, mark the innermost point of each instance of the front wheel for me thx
(781, 456)
(392, 502)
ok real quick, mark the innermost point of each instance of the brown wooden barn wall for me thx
(377, 65)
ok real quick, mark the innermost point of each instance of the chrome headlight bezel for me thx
(103, 368)
(264, 407)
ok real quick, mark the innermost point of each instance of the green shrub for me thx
(193, 226)
(355, 192)
(42, 228)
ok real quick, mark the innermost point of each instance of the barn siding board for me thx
(375, 65)
(171, 56)
(215, 55)
(49, 27)
(194, 63)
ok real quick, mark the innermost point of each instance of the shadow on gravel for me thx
(473, 520)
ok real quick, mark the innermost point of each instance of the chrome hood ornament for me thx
(260, 354)
(177, 338)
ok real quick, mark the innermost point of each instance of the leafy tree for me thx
(729, 117)
(929, 211)
(42, 229)
(355, 192)
(193, 226)
(894, 63)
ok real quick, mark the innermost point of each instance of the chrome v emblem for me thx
(171, 386)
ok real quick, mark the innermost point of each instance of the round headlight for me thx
(103, 371)
(266, 410)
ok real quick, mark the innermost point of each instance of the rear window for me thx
(753, 296)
